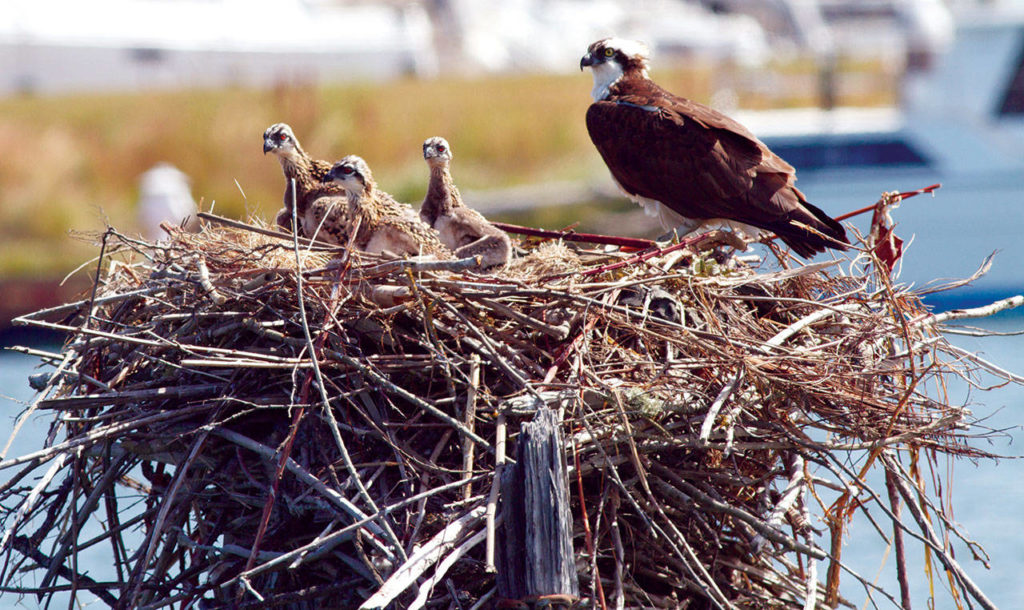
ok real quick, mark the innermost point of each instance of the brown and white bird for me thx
(462, 229)
(381, 223)
(690, 165)
(296, 163)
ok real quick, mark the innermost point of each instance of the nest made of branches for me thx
(256, 423)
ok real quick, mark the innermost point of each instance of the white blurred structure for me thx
(52, 46)
(49, 46)
(551, 35)
(164, 196)
(962, 125)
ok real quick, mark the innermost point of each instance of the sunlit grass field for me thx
(71, 164)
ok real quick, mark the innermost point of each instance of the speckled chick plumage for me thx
(383, 224)
(296, 164)
(462, 229)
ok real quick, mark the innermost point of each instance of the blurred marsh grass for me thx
(73, 162)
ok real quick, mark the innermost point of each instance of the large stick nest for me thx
(255, 423)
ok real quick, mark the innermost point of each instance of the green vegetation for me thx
(72, 163)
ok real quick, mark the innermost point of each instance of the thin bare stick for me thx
(612, 240)
(396, 547)
(897, 537)
(974, 312)
(322, 245)
(790, 495)
(427, 586)
(716, 406)
(909, 497)
(423, 558)
(492, 498)
(469, 419)
(156, 532)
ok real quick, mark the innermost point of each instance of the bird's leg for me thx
(491, 249)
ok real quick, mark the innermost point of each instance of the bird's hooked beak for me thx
(587, 60)
(267, 146)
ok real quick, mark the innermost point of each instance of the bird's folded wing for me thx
(673, 158)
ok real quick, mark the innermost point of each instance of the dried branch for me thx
(328, 431)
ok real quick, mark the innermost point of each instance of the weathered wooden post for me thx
(535, 560)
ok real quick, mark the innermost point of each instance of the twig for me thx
(421, 266)
(790, 495)
(871, 208)
(303, 475)
(716, 406)
(424, 557)
(281, 559)
(321, 245)
(492, 498)
(620, 552)
(32, 498)
(612, 240)
(204, 281)
(974, 312)
(470, 421)
(325, 401)
(897, 536)
(909, 497)
(156, 531)
(24, 546)
(76, 305)
(700, 241)
(442, 568)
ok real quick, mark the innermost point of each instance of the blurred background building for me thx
(65, 45)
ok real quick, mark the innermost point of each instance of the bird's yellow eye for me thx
(609, 52)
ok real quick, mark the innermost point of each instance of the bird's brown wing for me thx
(318, 169)
(702, 164)
(673, 158)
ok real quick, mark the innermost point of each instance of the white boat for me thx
(962, 125)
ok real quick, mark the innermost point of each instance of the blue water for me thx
(15, 394)
(947, 234)
(987, 496)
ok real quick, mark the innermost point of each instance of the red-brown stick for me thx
(628, 242)
(906, 195)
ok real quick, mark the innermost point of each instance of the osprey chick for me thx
(691, 165)
(384, 225)
(462, 229)
(296, 163)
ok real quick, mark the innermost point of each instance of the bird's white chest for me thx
(605, 74)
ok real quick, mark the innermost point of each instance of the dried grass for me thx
(715, 415)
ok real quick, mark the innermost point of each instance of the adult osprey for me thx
(691, 165)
